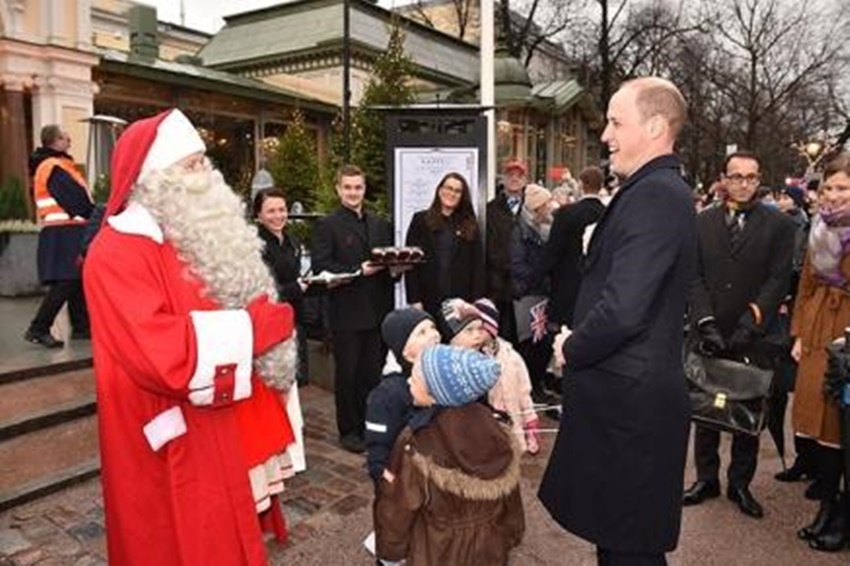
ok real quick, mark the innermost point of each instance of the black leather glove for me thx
(745, 333)
(710, 340)
(837, 370)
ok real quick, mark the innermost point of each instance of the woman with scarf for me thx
(821, 314)
(454, 253)
(530, 235)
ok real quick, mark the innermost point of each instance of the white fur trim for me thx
(176, 138)
(165, 427)
(136, 219)
(223, 337)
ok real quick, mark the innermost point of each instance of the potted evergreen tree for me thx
(18, 242)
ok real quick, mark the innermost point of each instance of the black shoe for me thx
(823, 518)
(746, 502)
(353, 443)
(700, 491)
(795, 473)
(43, 338)
(815, 491)
(81, 335)
(833, 540)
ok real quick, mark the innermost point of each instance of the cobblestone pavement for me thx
(328, 512)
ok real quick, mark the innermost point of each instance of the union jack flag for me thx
(538, 321)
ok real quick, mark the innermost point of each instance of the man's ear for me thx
(656, 126)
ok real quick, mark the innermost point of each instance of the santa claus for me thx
(189, 350)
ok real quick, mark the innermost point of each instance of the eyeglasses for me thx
(452, 190)
(740, 179)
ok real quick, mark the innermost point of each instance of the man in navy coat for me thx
(615, 476)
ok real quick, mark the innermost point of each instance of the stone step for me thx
(43, 461)
(35, 403)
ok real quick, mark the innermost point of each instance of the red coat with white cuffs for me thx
(182, 417)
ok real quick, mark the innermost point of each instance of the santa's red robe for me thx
(182, 417)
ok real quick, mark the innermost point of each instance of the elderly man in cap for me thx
(502, 214)
(188, 343)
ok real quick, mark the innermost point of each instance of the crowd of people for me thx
(575, 299)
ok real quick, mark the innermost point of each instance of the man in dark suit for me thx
(745, 259)
(563, 251)
(342, 243)
(502, 214)
(615, 474)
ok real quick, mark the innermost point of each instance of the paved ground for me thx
(17, 354)
(328, 510)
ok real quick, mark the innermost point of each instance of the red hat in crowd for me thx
(515, 165)
(147, 145)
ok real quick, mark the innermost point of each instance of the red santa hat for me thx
(147, 145)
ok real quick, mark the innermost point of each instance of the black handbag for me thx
(727, 395)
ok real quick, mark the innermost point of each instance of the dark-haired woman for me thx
(282, 253)
(448, 233)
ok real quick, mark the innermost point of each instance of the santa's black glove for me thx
(745, 333)
(710, 340)
(837, 370)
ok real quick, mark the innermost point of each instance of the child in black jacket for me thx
(407, 332)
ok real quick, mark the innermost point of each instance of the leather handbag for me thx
(727, 395)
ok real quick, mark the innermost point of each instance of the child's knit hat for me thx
(489, 315)
(458, 376)
(397, 327)
(456, 314)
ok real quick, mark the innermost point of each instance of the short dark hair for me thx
(743, 154)
(592, 178)
(263, 195)
(50, 133)
(349, 170)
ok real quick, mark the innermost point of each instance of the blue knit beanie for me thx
(458, 376)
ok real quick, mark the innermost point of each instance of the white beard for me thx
(205, 221)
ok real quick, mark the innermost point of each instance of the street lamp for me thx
(812, 151)
(346, 79)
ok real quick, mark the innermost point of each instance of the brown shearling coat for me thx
(455, 497)
(821, 313)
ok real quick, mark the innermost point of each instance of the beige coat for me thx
(512, 393)
(820, 315)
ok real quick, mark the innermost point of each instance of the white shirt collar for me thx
(136, 219)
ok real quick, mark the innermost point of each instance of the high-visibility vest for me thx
(47, 209)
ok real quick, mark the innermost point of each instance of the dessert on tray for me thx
(397, 255)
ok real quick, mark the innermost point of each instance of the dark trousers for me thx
(742, 468)
(507, 321)
(60, 292)
(302, 373)
(358, 360)
(607, 557)
(536, 356)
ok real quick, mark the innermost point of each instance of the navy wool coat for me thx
(615, 476)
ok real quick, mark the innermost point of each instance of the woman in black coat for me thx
(282, 253)
(448, 233)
